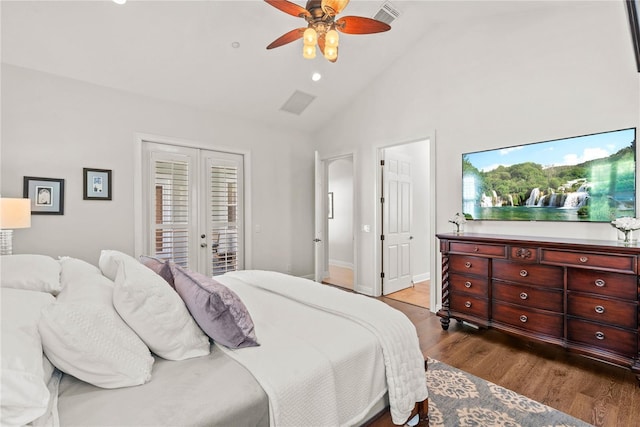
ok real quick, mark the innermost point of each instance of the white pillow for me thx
(157, 313)
(91, 342)
(82, 281)
(84, 336)
(73, 269)
(23, 390)
(30, 272)
(109, 261)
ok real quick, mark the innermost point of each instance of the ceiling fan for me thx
(323, 27)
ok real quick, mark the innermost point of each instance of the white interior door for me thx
(320, 220)
(396, 224)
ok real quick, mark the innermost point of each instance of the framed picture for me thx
(46, 195)
(96, 184)
(633, 10)
(330, 205)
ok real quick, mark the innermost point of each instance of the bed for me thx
(291, 353)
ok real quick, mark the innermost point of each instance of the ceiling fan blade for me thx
(292, 35)
(360, 25)
(290, 8)
(333, 7)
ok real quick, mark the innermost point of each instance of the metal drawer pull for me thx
(476, 249)
(524, 295)
(524, 318)
(599, 309)
(467, 284)
(599, 283)
(524, 273)
(600, 335)
(467, 304)
(584, 259)
(467, 264)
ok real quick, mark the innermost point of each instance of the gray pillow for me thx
(217, 309)
(160, 267)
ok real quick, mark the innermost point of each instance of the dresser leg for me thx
(444, 322)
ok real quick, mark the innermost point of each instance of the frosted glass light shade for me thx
(330, 52)
(309, 51)
(310, 36)
(332, 38)
(15, 213)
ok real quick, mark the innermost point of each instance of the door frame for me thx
(435, 291)
(323, 188)
(139, 207)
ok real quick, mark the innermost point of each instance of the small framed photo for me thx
(96, 184)
(46, 195)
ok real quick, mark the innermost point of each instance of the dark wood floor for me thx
(595, 392)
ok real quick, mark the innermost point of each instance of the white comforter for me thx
(324, 366)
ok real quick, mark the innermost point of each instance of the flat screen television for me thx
(589, 178)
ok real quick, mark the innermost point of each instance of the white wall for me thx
(340, 228)
(495, 83)
(53, 127)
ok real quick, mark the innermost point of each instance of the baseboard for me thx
(342, 264)
(421, 277)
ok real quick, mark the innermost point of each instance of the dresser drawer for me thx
(478, 249)
(523, 254)
(478, 286)
(535, 274)
(623, 286)
(528, 296)
(610, 262)
(616, 313)
(534, 321)
(606, 337)
(469, 305)
(469, 265)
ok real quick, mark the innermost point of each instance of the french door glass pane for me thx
(171, 181)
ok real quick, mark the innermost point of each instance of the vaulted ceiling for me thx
(183, 51)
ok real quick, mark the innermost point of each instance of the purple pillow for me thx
(216, 309)
(160, 267)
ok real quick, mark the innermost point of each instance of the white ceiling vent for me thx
(387, 13)
(297, 103)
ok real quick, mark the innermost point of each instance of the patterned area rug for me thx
(457, 398)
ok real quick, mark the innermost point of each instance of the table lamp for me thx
(14, 213)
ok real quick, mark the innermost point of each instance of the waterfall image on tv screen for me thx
(590, 178)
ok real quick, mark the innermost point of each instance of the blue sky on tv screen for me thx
(568, 151)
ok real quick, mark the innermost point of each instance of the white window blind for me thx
(171, 182)
(223, 210)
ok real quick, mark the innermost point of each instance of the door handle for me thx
(317, 240)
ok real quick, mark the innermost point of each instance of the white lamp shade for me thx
(15, 213)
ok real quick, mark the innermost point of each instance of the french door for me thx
(194, 211)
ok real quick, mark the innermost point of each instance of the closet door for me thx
(194, 207)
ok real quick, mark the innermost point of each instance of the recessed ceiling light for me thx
(316, 76)
(119, 1)
(235, 45)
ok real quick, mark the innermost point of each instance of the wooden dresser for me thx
(579, 294)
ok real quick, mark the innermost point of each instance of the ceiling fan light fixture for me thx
(331, 52)
(331, 38)
(310, 37)
(309, 51)
(333, 7)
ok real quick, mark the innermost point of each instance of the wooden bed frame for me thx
(421, 409)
